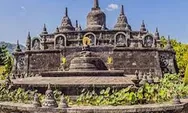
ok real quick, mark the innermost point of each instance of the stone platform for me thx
(73, 85)
(103, 73)
(7, 107)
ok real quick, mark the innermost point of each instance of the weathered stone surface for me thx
(6, 107)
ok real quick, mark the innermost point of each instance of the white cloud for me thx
(112, 7)
(22, 7)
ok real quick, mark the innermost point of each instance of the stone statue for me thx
(36, 44)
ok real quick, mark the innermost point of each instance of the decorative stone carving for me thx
(92, 38)
(63, 102)
(164, 60)
(144, 80)
(60, 41)
(28, 42)
(21, 63)
(120, 39)
(49, 101)
(36, 101)
(122, 23)
(96, 18)
(36, 44)
(66, 24)
(148, 41)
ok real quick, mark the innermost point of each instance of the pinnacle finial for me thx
(143, 27)
(169, 45)
(122, 10)
(156, 30)
(44, 28)
(29, 35)
(143, 23)
(49, 86)
(79, 27)
(96, 4)
(57, 30)
(28, 42)
(66, 12)
(168, 37)
(18, 49)
(76, 23)
(157, 34)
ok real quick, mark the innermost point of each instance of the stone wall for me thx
(128, 59)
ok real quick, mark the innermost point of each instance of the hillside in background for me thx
(11, 46)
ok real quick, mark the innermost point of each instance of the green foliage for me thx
(1, 69)
(186, 76)
(3, 54)
(16, 95)
(181, 53)
(5, 60)
(164, 91)
(148, 93)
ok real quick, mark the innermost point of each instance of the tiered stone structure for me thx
(130, 50)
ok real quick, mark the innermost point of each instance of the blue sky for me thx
(17, 17)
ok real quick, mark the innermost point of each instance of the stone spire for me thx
(49, 101)
(122, 22)
(169, 45)
(66, 12)
(78, 26)
(143, 27)
(57, 30)
(66, 24)
(76, 23)
(122, 10)
(96, 4)
(96, 18)
(18, 49)
(157, 36)
(44, 30)
(28, 42)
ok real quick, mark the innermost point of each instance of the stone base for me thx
(114, 73)
(74, 85)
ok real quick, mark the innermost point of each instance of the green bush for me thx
(186, 76)
(164, 91)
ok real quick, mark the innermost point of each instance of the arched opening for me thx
(92, 38)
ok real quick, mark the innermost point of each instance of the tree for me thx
(3, 55)
(6, 61)
(186, 76)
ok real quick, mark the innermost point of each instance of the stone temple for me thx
(107, 57)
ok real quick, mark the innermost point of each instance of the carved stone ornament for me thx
(120, 39)
(36, 44)
(164, 60)
(60, 42)
(49, 101)
(148, 41)
(20, 63)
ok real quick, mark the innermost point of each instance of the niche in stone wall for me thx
(92, 38)
(120, 39)
(148, 41)
(60, 41)
(36, 44)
